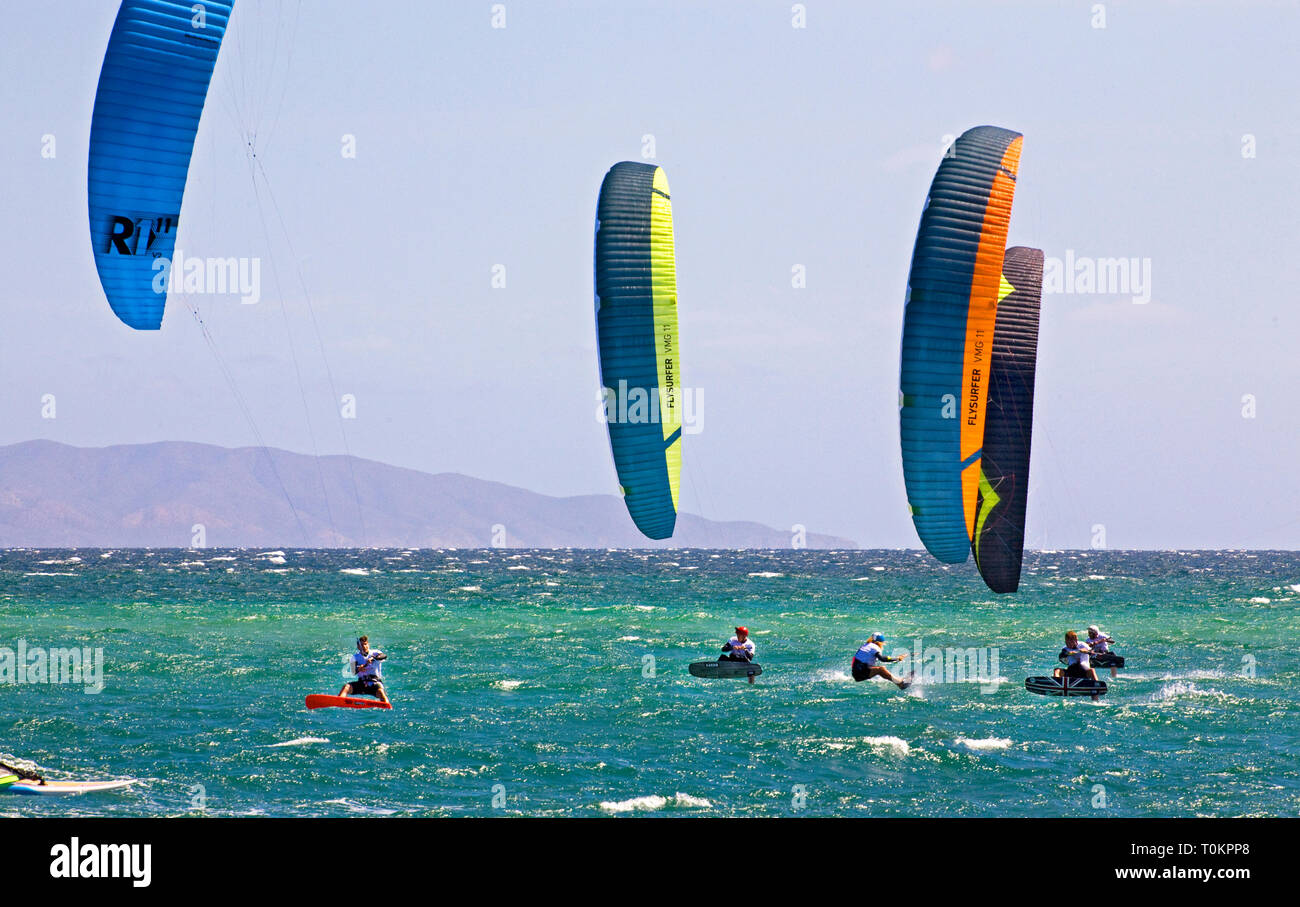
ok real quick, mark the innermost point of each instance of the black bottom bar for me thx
(654, 857)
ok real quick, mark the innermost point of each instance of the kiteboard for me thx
(64, 788)
(321, 701)
(1104, 660)
(1065, 686)
(7, 779)
(725, 669)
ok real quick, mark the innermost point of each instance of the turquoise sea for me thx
(554, 683)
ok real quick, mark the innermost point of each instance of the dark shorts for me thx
(730, 656)
(1075, 670)
(861, 670)
(366, 686)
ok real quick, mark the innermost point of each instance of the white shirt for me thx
(366, 670)
(1078, 655)
(737, 646)
(1100, 644)
(869, 652)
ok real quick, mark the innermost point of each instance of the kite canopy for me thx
(999, 540)
(636, 327)
(948, 335)
(151, 91)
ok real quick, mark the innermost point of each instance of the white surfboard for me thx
(64, 788)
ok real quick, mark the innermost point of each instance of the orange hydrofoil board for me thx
(321, 701)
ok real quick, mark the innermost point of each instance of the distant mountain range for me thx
(177, 494)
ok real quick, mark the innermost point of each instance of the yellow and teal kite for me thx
(636, 328)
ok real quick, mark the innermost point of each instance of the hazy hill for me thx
(151, 495)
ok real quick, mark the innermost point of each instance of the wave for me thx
(1181, 689)
(355, 807)
(896, 745)
(298, 741)
(984, 743)
(653, 803)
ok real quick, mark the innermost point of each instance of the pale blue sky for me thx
(478, 146)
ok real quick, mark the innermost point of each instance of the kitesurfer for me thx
(871, 659)
(21, 773)
(1098, 641)
(1102, 656)
(1077, 656)
(365, 664)
(739, 648)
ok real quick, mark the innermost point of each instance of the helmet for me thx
(1094, 631)
(877, 637)
(742, 630)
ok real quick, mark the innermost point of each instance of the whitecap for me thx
(299, 741)
(652, 802)
(681, 799)
(985, 743)
(896, 744)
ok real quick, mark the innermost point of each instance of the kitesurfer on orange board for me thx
(365, 664)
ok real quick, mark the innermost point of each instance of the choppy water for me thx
(555, 683)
